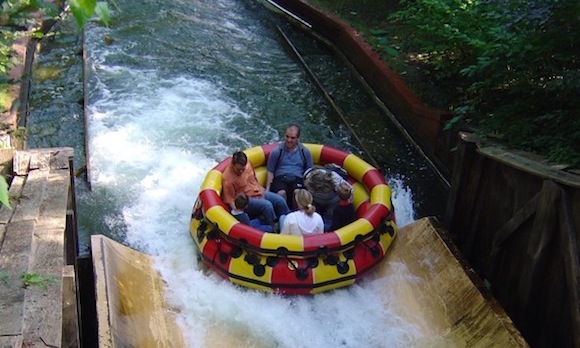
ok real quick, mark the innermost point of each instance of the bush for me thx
(510, 68)
(516, 66)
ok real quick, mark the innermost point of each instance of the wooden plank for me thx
(512, 225)
(474, 191)
(442, 299)
(570, 250)
(32, 195)
(463, 156)
(530, 165)
(128, 314)
(540, 236)
(53, 208)
(103, 303)
(34, 243)
(43, 304)
(13, 263)
(11, 341)
(70, 328)
(21, 162)
(51, 158)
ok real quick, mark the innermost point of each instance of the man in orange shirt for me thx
(239, 177)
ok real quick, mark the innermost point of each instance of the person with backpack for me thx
(322, 183)
(286, 165)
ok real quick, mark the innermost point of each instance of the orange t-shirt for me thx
(234, 184)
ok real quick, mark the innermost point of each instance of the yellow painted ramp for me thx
(439, 298)
(131, 310)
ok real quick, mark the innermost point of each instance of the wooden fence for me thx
(515, 219)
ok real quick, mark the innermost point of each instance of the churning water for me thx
(173, 87)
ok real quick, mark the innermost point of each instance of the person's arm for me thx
(228, 194)
(320, 227)
(309, 161)
(269, 179)
(271, 167)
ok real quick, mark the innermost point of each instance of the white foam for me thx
(152, 141)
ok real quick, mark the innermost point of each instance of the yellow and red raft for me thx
(289, 264)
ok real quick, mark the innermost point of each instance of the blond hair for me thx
(303, 199)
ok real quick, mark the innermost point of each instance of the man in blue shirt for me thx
(286, 165)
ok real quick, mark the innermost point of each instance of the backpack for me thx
(337, 169)
(319, 180)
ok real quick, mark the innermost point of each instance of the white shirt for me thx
(299, 223)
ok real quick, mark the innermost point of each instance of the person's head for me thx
(241, 201)
(292, 136)
(344, 191)
(303, 200)
(239, 161)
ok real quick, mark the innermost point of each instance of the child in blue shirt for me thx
(241, 202)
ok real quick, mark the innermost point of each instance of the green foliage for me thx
(33, 279)
(4, 196)
(515, 63)
(19, 13)
(102, 11)
(83, 10)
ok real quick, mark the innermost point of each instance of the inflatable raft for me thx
(290, 264)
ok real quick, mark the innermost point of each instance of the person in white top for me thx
(305, 220)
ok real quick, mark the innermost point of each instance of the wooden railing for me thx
(516, 220)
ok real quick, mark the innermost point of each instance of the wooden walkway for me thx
(37, 284)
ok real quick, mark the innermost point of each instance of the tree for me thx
(515, 63)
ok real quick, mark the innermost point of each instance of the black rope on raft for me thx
(237, 252)
(387, 228)
(301, 273)
(219, 252)
(213, 233)
(282, 252)
(375, 251)
(272, 261)
(342, 267)
(258, 269)
(322, 251)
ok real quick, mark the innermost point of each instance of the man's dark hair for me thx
(239, 158)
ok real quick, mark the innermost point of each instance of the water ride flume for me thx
(438, 296)
(290, 264)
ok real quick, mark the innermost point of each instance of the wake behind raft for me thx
(290, 264)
